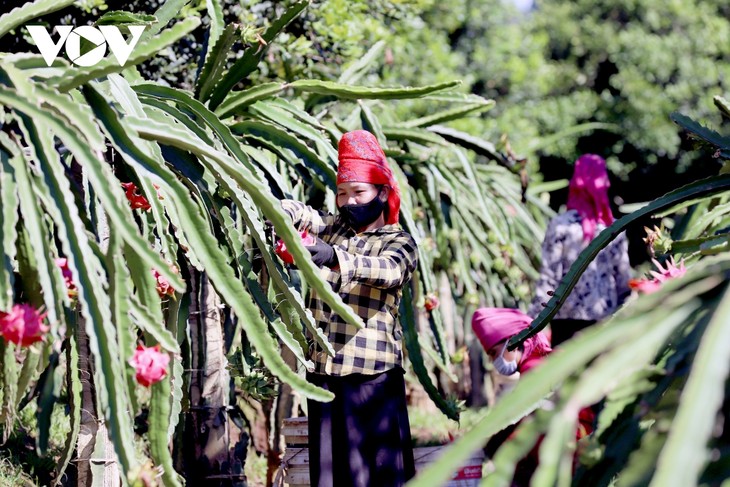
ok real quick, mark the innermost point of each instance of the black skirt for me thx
(362, 438)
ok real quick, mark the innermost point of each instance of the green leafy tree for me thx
(575, 77)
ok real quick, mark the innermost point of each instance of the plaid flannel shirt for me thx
(373, 268)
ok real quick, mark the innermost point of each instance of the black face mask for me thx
(360, 216)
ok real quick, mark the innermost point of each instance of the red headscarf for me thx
(492, 325)
(362, 160)
(588, 193)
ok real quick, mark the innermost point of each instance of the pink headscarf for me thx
(492, 325)
(588, 193)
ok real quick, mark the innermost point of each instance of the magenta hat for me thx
(588, 193)
(492, 325)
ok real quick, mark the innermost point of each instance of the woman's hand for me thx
(323, 254)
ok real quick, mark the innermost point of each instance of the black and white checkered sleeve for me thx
(390, 269)
(304, 217)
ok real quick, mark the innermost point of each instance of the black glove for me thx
(323, 254)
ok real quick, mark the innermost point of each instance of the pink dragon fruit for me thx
(282, 251)
(150, 364)
(23, 325)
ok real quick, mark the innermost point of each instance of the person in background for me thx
(361, 438)
(493, 327)
(605, 284)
